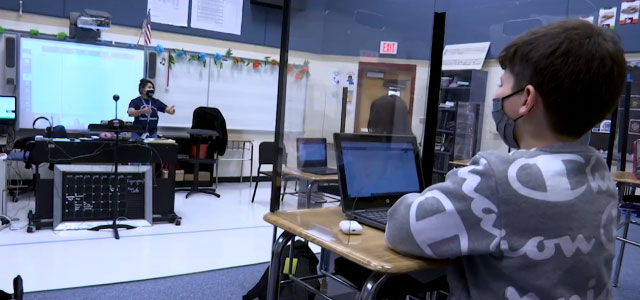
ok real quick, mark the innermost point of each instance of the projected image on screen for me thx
(74, 83)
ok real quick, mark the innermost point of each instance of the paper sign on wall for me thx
(588, 19)
(629, 12)
(217, 15)
(172, 12)
(464, 56)
(607, 17)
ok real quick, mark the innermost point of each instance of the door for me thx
(380, 79)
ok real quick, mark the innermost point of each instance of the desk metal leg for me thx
(309, 189)
(372, 285)
(325, 259)
(251, 164)
(616, 274)
(273, 288)
(242, 163)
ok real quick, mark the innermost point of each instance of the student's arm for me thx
(457, 217)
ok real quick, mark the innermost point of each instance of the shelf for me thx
(443, 152)
(447, 108)
(440, 172)
(445, 131)
(459, 88)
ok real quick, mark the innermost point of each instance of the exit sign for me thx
(388, 47)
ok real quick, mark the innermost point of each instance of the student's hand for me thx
(145, 110)
(171, 110)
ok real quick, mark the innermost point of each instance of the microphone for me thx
(116, 97)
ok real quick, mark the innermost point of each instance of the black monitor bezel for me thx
(318, 163)
(349, 204)
(11, 122)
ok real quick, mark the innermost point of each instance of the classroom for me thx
(319, 149)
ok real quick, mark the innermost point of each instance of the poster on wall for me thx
(629, 12)
(217, 15)
(634, 126)
(588, 18)
(172, 12)
(464, 56)
(607, 17)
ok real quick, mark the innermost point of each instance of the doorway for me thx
(380, 79)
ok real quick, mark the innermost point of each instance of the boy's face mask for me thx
(504, 125)
(149, 92)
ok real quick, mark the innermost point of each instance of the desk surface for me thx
(625, 177)
(320, 226)
(459, 163)
(308, 176)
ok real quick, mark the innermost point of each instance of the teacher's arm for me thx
(170, 110)
(132, 112)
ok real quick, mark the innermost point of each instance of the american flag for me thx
(146, 29)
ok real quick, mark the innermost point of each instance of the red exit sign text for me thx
(388, 47)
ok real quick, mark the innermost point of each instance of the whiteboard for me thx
(188, 89)
(246, 96)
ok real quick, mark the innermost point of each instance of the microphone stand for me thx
(115, 125)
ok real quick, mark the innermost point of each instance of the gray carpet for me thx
(220, 284)
(234, 282)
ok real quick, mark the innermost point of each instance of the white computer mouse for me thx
(350, 227)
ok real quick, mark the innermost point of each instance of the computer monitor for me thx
(7, 110)
(377, 169)
(312, 152)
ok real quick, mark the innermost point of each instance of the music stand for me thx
(115, 126)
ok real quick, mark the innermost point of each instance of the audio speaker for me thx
(151, 65)
(10, 49)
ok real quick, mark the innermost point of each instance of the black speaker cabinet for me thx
(10, 50)
(151, 65)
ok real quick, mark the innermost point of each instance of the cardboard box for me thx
(204, 176)
(179, 175)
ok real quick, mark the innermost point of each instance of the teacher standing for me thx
(145, 110)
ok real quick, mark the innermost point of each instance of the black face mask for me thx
(504, 125)
(149, 93)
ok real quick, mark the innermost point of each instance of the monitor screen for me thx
(312, 153)
(379, 168)
(7, 109)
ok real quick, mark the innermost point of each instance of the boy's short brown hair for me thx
(578, 69)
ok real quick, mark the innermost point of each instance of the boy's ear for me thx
(530, 100)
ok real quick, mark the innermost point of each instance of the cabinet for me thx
(600, 133)
(460, 115)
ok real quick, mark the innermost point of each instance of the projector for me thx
(87, 25)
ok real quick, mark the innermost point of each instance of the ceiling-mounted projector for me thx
(88, 24)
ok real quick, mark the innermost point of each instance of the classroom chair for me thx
(205, 135)
(267, 152)
(630, 204)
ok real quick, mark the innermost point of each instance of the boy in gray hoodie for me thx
(539, 222)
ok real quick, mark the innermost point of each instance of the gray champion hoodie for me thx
(533, 224)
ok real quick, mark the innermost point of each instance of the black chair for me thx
(203, 132)
(267, 152)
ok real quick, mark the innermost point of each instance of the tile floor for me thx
(215, 233)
